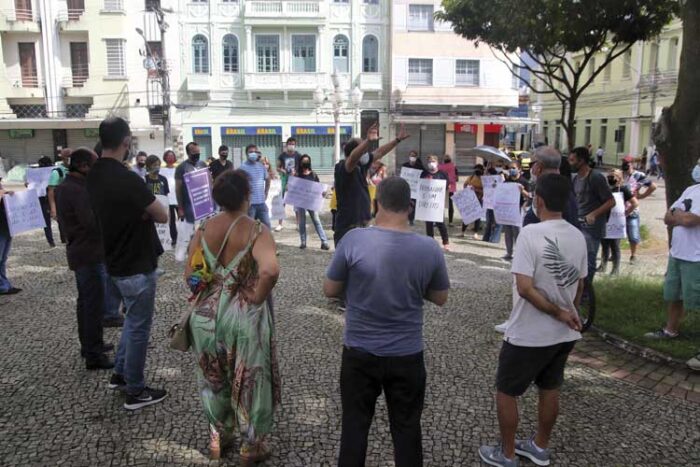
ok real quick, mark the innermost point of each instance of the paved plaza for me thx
(53, 412)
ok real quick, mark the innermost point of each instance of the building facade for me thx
(259, 71)
(618, 110)
(450, 94)
(67, 65)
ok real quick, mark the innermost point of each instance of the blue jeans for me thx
(139, 294)
(260, 212)
(301, 213)
(633, 230)
(492, 231)
(592, 246)
(5, 244)
(89, 309)
(112, 298)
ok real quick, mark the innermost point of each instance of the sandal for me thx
(251, 454)
(214, 444)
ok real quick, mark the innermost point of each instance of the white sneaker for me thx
(694, 363)
(278, 228)
(501, 328)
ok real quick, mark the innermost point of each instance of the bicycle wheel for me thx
(587, 308)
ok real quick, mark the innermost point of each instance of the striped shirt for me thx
(257, 176)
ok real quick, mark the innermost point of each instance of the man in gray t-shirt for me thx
(386, 273)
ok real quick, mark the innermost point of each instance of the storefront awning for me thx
(418, 119)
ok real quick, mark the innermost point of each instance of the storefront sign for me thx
(91, 132)
(320, 130)
(201, 131)
(250, 130)
(21, 134)
(466, 128)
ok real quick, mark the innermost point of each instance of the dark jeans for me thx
(450, 210)
(430, 231)
(492, 231)
(5, 244)
(173, 225)
(611, 251)
(363, 376)
(512, 233)
(90, 310)
(46, 211)
(412, 212)
(592, 245)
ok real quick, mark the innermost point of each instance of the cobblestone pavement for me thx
(53, 412)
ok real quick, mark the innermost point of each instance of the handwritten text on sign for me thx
(490, 183)
(468, 205)
(305, 194)
(412, 176)
(199, 190)
(38, 179)
(23, 212)
(617, 223)
(430, 204)
(164, 229)
(506, 207)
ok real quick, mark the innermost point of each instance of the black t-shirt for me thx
(352, 195)
(311, 176)
(290, 162)
(418, 165)
(217, 168)
(159, 186)
(119, 198)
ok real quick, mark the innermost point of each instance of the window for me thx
(420, 17)
(267, 49)
(152, 5)
(116, 66)
(23, 10)
(79, 63)
(467, 73)
(627, 64)
(370, 2)
(200, 54)
(607, 73)
(303, 53)
(587, 134)
(591, 68)
(75, 9)
(27, 65)
(341, 54)
(672, 54)
(370, 55)
(653, 58)
(620, 138)
(341, 1)
(114, 5)
(230, 53)
(420, 71)
(603, 133)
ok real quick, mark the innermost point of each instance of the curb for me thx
(636, 349)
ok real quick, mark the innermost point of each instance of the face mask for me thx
(412, 159)
(432, 166)
(141, 165)
(364, 160)
(253, 156)
(612, 181)
(223, 156)
(305, 165)
(447, 160)
(291, 147)
(696, 173)
(513, 173)
(625, 167)
(154, 170)
(194, 158)
(478, 173)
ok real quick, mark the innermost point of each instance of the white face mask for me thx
(291, 147)
(696, 173)
(364, 160)
(413, 159)
(499, 170)
(432, 166)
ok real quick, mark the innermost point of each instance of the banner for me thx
(507, 204)
(274, 201)
(169, 173)
(164, 229)
(468, 205)
(412, 176)
(616, 227)
(302, 193)
(23, 212)
(38, 179)
(430, 204)
(490, 183)
(198, 184)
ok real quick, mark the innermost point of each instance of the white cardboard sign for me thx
(506, 206)
(616, 228)
(38, 179)
(302, 193)
(23, 212)
(412, 176)
(164, 229)
(468, 205)
(430, 204)
(490, 183)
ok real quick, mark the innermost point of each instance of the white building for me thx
(451, 94)
(67, 64)
(249, 71)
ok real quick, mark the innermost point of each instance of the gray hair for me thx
(549, 157)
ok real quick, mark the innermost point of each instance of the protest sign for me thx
(169, 174)
(616, 227)
(412, 176)
(198, 184)
(430, 204)
(468, 206)
(23, 212)
(506, 205)
(164, 229)
(490, 183)
(38, 179)
(274, 201)
(302, 193)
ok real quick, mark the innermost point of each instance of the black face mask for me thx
(223, 156)
(194, 158)
(141, 164)
(625, 167)
(612, 181)
(306, 165)
(479, 173)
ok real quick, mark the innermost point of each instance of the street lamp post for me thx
(337, 98)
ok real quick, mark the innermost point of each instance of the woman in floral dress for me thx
(232, 324)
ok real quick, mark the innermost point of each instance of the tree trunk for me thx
(571, 124)
(677, 135)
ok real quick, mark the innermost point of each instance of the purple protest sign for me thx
(198, 184)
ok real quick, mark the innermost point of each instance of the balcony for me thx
(24, 87)
(71, 20)
(371, 81)
(659, 79)
(285, 81)
(198, 82)
(285, 11)
(16, 20)
(74, 84)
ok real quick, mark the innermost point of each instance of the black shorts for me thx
(519, 367)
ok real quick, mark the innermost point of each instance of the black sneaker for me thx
(324, 246)
(145, 398)
(117, 382)
(101, 363)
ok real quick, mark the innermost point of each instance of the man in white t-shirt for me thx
(549, 268)
(682, 285)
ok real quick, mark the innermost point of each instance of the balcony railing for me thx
(285, 81)
(371, 81)
(285, 9)
(24, 15)
(30, 81)
(198, 82)
(76, 79)
(661, 78)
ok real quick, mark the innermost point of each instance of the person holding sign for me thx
(432, 173)
(192, 163)
(474, 182)
(6, 287)
(611, 246)
(307, 174)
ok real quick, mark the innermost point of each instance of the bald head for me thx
(548, 159)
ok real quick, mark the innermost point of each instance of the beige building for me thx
(67, 65)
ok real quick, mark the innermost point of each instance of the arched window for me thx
(200, 54)
(230, 51)
(341, 54)
(370, 55)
